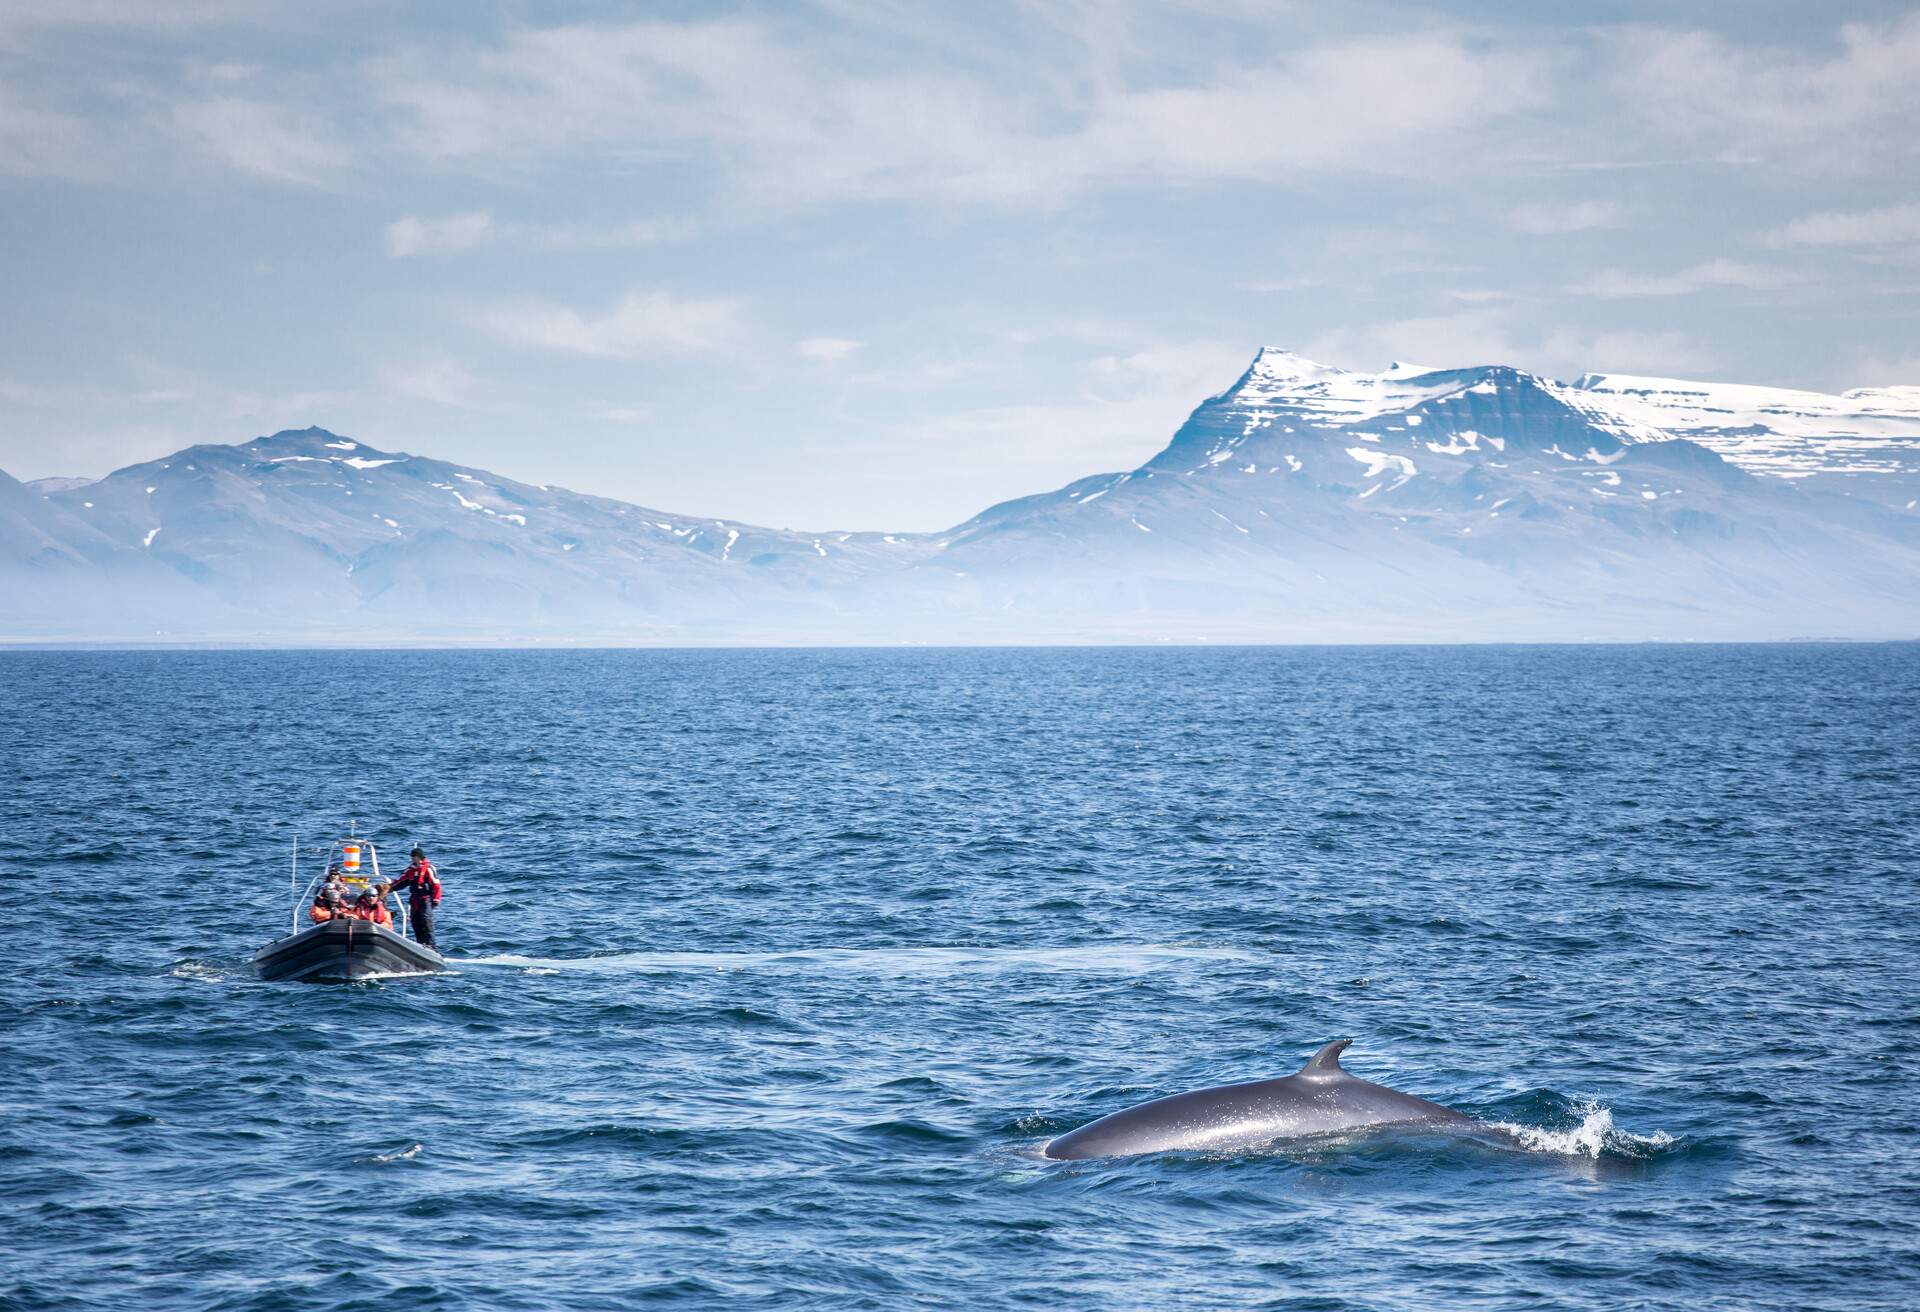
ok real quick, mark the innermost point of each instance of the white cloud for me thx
(1548, 219)
(827, 349)
(1850, 109)
(1616, 284)
(640, 325)
(905, 103)
(1370, 107)
(73, 124)
(1890, 225)
(790, 121)
(444, 236)
(259, 137)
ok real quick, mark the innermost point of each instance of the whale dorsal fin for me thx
(1327, 1060)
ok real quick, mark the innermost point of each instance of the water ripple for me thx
(774, 971)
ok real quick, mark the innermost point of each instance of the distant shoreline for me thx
(12, 645)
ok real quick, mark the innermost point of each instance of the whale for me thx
(1320, 1099)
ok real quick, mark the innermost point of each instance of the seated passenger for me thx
(368, 906)
(328, 904)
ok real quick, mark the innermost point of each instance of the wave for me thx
(1594, 1138)
(405, 1155)
(1124, 959)
(206, 972)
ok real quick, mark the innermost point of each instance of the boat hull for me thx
(340, 951)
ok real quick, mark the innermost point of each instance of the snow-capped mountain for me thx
(1447, 502)
(306, 532)
(1865, 441)
(1303, 503)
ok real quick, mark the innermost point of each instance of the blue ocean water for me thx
(775, 970)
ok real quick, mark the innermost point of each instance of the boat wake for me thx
(1118, 959)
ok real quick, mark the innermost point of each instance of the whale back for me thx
(1321, 1098)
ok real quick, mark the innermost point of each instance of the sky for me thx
(878, 266)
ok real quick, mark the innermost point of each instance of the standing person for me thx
(423, 895)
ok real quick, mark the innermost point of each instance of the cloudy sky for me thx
(879, 265)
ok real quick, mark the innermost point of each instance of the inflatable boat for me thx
(344, 949)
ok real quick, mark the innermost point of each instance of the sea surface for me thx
(774, 972)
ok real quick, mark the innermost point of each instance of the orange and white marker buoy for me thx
(350, 856)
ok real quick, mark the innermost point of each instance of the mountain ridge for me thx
(1303, 502)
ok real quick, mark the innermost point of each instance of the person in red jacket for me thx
(328, 904)
(371, 906)
(423, 895)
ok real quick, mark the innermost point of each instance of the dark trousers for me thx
(421, 914)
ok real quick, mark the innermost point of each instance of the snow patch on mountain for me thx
(1769, 430)
(1282, 380)
(1379, 462)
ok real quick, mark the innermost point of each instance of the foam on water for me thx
(206, 972)
(404, 1155)
(1596, 1136)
